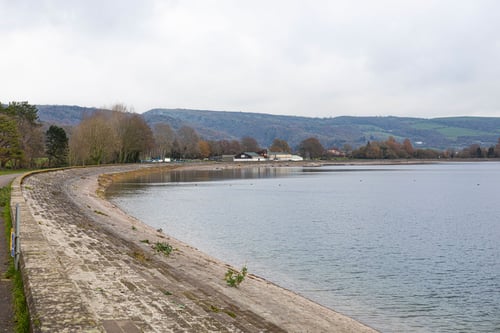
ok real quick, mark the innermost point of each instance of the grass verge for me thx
(22, 319)
(9, 172)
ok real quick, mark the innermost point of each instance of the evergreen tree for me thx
(10, 149)
(57, 146)
(30, 133)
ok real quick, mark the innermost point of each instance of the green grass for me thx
(449, 131)
(425, 125)
(9, 171)
(22, 319)
(454, 132)
(5, 197)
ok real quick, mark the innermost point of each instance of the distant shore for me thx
(165, 167)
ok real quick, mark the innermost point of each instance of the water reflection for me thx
(190, 176)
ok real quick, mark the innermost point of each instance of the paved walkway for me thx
(95, 281)
(86, 268)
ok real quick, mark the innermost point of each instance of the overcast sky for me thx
(422, 58)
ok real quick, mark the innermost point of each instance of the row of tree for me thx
(388, 149)
(121, 136)
(116, 136)
(476, 151)
(391, 149)
(23, 142)
(110, 137)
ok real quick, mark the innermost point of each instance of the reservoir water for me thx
(402, 248)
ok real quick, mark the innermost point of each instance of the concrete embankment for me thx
(89, 267)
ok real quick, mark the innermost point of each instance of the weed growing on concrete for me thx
(234, 278)
(36, 322)
(134, 228)
(100, 213)
(140, 256)
(145, 241)
(230, 313)
(162, 247)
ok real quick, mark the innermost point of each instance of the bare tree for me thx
(188, 142)
(311, 148)
(249, 144)
(134, 136)
(204, 147)
(226, 147)
(93, 141)
(280, 146)
(164, 138)
(408, 147)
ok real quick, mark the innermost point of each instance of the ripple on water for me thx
(408, 249)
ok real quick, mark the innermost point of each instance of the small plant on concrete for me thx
(234, 278)
(164, 248)
(100, 213)
(140, 256)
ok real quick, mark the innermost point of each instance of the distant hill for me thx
(63, 115)
(438, 133)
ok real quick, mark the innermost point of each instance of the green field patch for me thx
(455, 132)
(426, 126)
(382, 136)
(370, 128)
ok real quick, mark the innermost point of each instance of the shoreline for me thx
(86, 266)
(105, 260)
(106, 180)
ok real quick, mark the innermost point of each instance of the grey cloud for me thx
(319, 58)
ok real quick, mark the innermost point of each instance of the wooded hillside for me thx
(437, 133)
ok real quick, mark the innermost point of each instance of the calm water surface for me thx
(411, 248)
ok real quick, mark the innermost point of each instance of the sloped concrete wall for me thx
(52, 303)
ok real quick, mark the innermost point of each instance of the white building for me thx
(281, 156)
(249, 157)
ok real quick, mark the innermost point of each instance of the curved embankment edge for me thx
(48, 289)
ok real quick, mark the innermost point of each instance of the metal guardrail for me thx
(15, 239)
